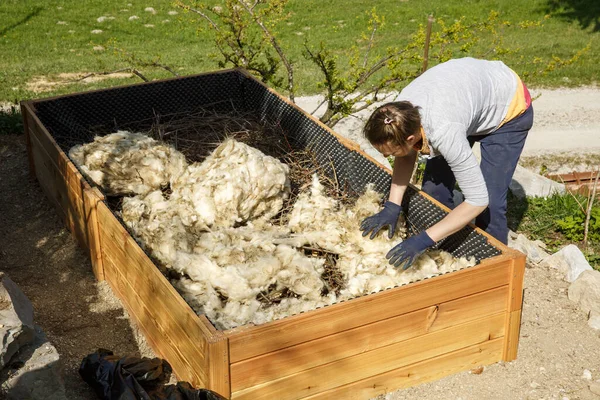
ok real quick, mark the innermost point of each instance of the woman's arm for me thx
(403, 169)
(454, 221)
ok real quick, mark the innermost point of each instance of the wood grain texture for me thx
(26, 113)
(514, 306)
(178, 333)
(378, 361)
(425, 371)
(252, 341)
(290, 360)
(91, 199)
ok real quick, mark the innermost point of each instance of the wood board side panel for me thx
(429, 370)
(153, 331)
(218, 365)
(378, 361)
(514, 306)
(180, 328)
(251, 341)
(68, 199)
(290, 360)
(27, 121)
(91, 199)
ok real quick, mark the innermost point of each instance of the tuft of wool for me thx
(126, 163)
(235, 184)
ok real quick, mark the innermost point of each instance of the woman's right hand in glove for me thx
(386, 217)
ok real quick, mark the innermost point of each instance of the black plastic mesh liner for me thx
(75, 119)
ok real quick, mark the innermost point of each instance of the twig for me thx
(370, 45)
(572, 195)
(589, 211)
(288, 65)
(319, 106)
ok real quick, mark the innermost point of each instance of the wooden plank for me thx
(271, 366)
(169, 310)
(514, 305)
(251, 341)
(64, 199)
(159, 339)
(511, 342)
(65, 167)
(426, 371)
(26, 115)
(378, 361)
(218, 365)
(91, 199)
(516, 283)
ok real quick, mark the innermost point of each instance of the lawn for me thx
(44, 39)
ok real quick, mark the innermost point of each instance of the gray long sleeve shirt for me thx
(457, 99)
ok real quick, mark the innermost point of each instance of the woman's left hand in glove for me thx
(407, 251)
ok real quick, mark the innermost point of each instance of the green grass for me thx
(33, 43)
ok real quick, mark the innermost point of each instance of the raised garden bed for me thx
(355, 349)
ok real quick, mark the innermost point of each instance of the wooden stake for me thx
(427, 40)
(589, 211)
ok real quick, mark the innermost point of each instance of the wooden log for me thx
(425, 371)
(378, 361)
(272, 366)
(251, 341)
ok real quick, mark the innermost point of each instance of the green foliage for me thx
(572, 226)
(557, 220)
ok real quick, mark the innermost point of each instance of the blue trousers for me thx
(500, 152)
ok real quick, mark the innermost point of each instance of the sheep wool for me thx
(215, 230)
(236, 183)
(126, 163)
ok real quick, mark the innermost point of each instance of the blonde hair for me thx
(393, 122)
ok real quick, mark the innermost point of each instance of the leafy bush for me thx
(572, 226)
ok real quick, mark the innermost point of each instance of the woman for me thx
(442, 113)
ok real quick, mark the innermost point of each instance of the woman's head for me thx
(392, 126)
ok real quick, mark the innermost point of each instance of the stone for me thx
(35, 372)
(594, 320)
(529, 184)
(595, 387)
(587, 374)
(534, 252)
(570, 261)
(16, 320)
(586, 292)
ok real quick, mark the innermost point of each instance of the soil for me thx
(80, 315)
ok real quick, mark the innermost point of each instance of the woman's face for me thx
(393, 149)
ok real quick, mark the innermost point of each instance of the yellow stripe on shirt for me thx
(518, 105)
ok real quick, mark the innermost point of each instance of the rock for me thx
(586, 291)
(535, 253)
(570, 261)
(587, 374)
(595, 387)
(529, 184)
(594, 320)
(16, 320)
(34, 373)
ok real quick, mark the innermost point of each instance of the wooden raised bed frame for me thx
(355, 349)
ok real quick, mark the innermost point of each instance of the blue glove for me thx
(386, 217)
(406, 252)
